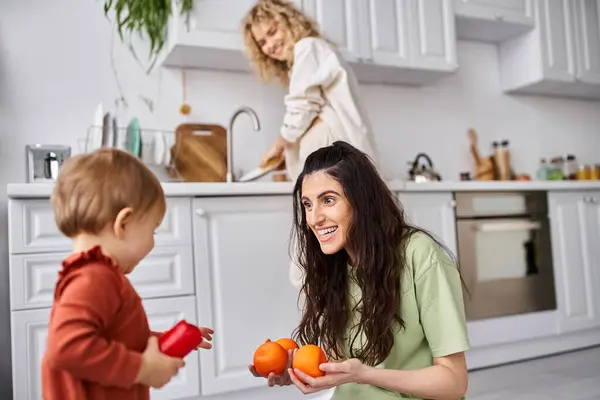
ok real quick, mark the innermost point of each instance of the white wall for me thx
(55, 68)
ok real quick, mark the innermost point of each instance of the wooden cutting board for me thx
(200, 153)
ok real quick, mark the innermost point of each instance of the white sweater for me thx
(323, 85)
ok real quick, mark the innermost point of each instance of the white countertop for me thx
(461, 186)
(176, 189)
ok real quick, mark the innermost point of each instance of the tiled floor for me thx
(569, 376)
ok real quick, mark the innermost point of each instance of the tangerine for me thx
(270, 357)
(308, 358)
(288, 344)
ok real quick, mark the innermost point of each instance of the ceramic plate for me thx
(258, 172)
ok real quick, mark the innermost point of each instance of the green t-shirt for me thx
(433, 312)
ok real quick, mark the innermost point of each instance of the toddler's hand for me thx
(157, 368)
(206, 335)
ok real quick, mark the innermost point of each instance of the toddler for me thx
(99, 343)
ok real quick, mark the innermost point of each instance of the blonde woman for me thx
(322, 104)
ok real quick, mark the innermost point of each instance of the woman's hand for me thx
(275, 151)
(273, 379)
(207, 336)
(336, 374)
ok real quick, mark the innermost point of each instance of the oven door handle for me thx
(508, 225)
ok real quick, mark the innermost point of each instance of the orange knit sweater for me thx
(98, 330)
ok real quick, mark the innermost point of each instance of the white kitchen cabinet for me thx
(403, 34)
(398, 41)
(560, 56)
(394, 41)
(434, 212)
(385, 32)
(33, 228)
(493, 20)
(210, 38)
(163, 314)
(432, 35)
(575, 225)
(587, 40)
(166, 271)
(338, 21)
(243, 290)
(29, 333)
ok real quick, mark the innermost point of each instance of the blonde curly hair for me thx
(288, 17)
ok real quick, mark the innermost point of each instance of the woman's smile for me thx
(326, 234)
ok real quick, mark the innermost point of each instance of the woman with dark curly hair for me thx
(383, 298)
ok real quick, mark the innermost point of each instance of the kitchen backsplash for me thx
(54, 101)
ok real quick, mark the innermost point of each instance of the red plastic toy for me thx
(180, 340)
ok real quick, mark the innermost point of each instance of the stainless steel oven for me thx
(505, 254)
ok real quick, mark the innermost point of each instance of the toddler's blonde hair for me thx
(92, 188)
(288, 17)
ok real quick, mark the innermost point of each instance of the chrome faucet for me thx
(241, 110)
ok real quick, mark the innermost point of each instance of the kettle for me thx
(421, 172)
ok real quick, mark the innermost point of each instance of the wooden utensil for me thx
(200, 153)
(484, 166)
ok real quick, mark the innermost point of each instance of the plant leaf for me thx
(147, 18)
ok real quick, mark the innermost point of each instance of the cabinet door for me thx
(587, 33)
(212, 24)
(592, 200)
(574, 239)
(29, 330)
(557, 43)
(509, 11)
(432, 35)
(493, 20)
(242, 264)
(162, 315)
(338, 22)
(385, 35)
(433, 212)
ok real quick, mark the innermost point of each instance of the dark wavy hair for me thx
(377, 237)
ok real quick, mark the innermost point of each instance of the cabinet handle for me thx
(452, 204)
(587, 199)
(200, 212)
(594, 200)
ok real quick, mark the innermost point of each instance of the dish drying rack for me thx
(157, 148)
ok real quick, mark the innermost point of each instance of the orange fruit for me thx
(270, 357)
(308, 358)
(288, 344)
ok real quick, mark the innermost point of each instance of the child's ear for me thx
(123, 218)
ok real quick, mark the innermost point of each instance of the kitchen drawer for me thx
(33, 229)
(29, 332)
(166, 271)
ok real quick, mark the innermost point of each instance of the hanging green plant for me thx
(148, 18)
